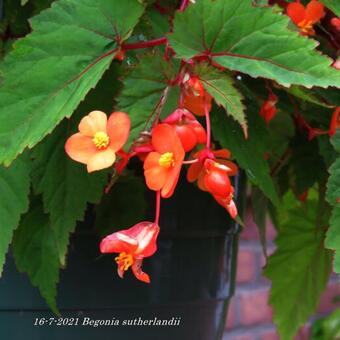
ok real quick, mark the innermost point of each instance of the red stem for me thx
(144, 44)
(183, 6)
(158, 206)
(207, 120)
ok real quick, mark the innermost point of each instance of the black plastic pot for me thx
(192, 273)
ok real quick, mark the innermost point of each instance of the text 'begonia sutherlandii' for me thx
(132, 245)
(305, 17)
(98, 139)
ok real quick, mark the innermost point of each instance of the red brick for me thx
(231, 317)
(246, 265)
(326, 302)
(254, 307)
(238, 337)
(250, 231)
(270, 335)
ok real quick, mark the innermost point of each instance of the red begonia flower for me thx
(335, 121)
(197, 171)
(306, 17)
(188, 129)
(335, 22)
(268, 109)
(132, 245)
(195, 98)
(163, 165)
(98, 139)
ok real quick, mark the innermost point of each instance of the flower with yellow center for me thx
(98, 140)
(167, 160)
(101, 140)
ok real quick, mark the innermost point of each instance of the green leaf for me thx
(252, 40)
(249, 153)
(36, 253)
(50, 71)
(220, 85)
(333, 5)
(333, 237)
(333, 185)
(259, 204)
(143, 90)
(65, 185)
(15, 185)
(300, 267)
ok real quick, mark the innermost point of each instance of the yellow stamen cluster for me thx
(101, 140)
(306, 26)
(124, 261)
(167, 160)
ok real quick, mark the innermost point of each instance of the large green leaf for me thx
(333, 197)
(220, 85)
(51, 70)
(300, 267)
(333, 5)
(65, 185)
(333, 237)
(249, 153)
(36, 253)
(252, 40)
(15, 184)
(143, 90)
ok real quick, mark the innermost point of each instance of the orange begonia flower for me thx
(268, 109)
(306, 17)
(132, 245)
(163, 165)
(98, 139)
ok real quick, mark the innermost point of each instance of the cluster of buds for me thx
(163, 151)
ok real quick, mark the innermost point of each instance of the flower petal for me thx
(118, 129)
(146, 237)
(165, 139)
(101, 160)
(296, 11)
(171, 181)
(137, 271)
(94, 122)
(155, 175)
(194, 171)
(80, 148)
(314, 11)
(118, 242)
(222, 153)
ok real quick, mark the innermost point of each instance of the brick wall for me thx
(250, 317)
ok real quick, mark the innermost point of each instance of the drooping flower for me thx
(98, 139)
(212, 173)
(197, 171)
(306, 17)
(188, 129)
(195, 98)
(132, 245)
(335, 121)
(268, 109)
(163, 165)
